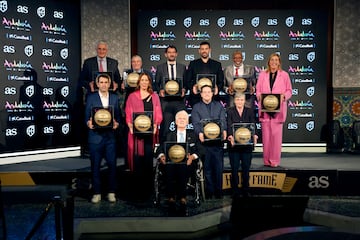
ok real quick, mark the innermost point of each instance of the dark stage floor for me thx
(23, 205)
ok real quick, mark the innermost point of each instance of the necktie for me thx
(101, 69)
(182, 138)
(236, 72)
(172, 77)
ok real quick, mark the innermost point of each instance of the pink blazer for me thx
(282, 85)
(134, 103)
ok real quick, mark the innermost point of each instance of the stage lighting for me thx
(335, 137)
(355, 133)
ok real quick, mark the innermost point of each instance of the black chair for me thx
(335, 137)
(355, 134)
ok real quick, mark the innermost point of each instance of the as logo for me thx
(170, 22)
(48, 91)
(10, 91)
(319, 182)
(47, 52)
(9, 49)
(204, 22)
(10, 132)
(48, 130)
(58, 14)
(22, 9)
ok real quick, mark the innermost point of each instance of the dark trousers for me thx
(177, 176)
(106, 149)
(213, 169)
(235, 158)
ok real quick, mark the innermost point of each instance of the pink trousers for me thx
(272, 133)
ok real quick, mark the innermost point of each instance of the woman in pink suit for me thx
(276, 81)
(140, 148)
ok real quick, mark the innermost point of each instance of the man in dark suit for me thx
(204, 65)
(177, 174)
(212, 152)
(101, 139)
(99, 63)
(170, 70)
(91, 68)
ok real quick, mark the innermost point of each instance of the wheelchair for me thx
(195, 184)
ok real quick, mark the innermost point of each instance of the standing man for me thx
(212, 152)
(240, 70)
(102, 141)
(170, 104)
(204, 65)
(91, 67)
(136, 67)
(98, 64)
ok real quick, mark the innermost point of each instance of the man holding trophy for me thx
(102, 116)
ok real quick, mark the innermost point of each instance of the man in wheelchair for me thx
(177, 161)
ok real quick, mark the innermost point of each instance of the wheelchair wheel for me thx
(200, 179)
(156, 200)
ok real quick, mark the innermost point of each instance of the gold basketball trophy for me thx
(243, 133)
(205, 79)
(103, 117)
(270, 102)
(176, 152)
(131, 79)
(173, 87)
(143, 123)
(240, 85)
(211, 130)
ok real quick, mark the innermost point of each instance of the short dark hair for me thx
(205, 43)
(170, 46)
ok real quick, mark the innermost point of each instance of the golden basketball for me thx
(176, 153)
(271, 102)
(132, 79)
(102, 117)
(204, 81)
(242, 135)
(142, 123)
(172, 87)
(240, 85)
(212, 130)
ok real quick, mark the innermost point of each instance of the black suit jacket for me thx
(191, 140)
(91, 67)
(162, 72)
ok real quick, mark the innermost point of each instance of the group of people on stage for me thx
(149, 96)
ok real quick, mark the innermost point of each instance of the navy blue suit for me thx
(102, 143)
(212, 155)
